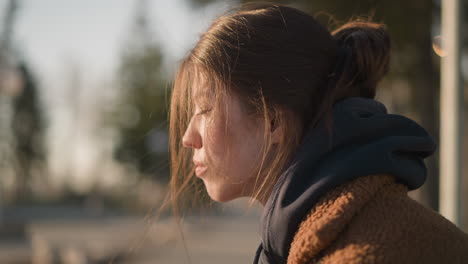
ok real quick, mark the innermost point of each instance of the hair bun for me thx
(363, 56)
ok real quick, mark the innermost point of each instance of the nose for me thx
(191, 138)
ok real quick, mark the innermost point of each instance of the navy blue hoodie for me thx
(364, 140)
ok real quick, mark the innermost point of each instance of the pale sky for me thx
(92, 31)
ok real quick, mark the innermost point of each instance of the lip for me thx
(200, 169)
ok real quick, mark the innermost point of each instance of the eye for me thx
(202, 112)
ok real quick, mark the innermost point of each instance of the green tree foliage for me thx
(142, 110)
(24, 114)
(28, 131)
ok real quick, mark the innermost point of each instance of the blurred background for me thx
(84, 89)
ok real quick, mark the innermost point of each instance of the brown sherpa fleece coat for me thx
(372, 220)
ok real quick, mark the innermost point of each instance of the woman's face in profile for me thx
(226, 177)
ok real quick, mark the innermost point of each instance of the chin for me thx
(221, 193)
(220, 199)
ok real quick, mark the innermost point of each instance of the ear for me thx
(276, 131)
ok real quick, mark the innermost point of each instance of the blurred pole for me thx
(451, 109)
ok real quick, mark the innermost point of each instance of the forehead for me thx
(202, 89)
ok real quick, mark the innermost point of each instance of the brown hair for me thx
(286, 69)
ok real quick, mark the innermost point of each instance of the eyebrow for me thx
(199, 95)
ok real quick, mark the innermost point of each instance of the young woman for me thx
(269, 104)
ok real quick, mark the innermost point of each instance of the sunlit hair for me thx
(286, 69)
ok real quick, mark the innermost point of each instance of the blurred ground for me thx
(72, 236)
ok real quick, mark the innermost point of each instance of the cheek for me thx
(248, 155)
(234, 154)
(215, 142)
(215, 147)
(244, 158)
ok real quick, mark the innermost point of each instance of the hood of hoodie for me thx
(364, 140)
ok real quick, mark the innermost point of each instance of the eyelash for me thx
(203, 112)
